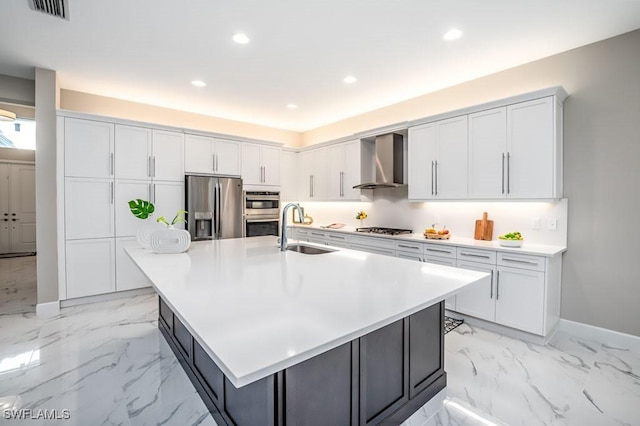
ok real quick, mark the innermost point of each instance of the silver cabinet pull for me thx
(409, 247)
(508, 173)
(154, 192)
(312, 184)
(112, 192)
(342, 184)
(436, 176)
(213, 162)
(154, 166)
(439, 251)
(503, 156)
(111, 164)
(432, 179)
(497, 285)
(149, 167)
(149, 192)
(528, 262)
(462, 253)
(491, 295)
(338, 237)
(217, 162)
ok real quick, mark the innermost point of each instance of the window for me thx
(20, 134)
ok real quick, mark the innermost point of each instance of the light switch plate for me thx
(552, 224)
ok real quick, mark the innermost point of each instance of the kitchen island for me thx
(270, 337)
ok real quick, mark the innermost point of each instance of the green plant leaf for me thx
(141, 209)
(161, 219)
(179, 217)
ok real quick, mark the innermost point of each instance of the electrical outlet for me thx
(552, 224)
(535, 223)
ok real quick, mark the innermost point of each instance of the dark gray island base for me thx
(381, 378)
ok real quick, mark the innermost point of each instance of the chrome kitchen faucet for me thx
(283, 236)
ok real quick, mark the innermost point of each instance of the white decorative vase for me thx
(170, 240)
(145, 230)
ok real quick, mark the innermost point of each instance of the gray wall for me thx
(47, 102)
(17, 90)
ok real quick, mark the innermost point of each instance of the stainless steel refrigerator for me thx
(214, 207)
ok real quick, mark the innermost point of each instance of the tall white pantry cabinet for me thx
(105, 166)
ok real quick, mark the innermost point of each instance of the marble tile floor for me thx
(18, 285)
(108, 364)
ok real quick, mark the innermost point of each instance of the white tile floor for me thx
(17, 285)
(108, 364)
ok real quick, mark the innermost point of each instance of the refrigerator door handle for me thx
(218, 209)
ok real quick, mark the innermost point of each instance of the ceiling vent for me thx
(57, 8)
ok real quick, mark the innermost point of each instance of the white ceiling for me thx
(150, 50)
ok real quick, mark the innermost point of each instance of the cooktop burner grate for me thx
(385, 231)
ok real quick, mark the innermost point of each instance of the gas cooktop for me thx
(385, 231)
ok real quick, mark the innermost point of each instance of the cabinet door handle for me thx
(439, 251)
(14, 219)
(432, 179)
(217, 162)
(213, 163)
(149, 166)
(311, 186)
(149, 192)
(497, 285)
(491, 295)
(111, 164)
(528, 262)
(436, 176)
(112, 192)
(508, 172)
(154, 166)
(338, 237)
(409, 247)
(503, 155)
(154, 192)
(462, 253)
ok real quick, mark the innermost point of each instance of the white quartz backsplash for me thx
(391, 208)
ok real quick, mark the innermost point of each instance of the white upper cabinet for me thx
(344, 171)
(260, 165)
(167, 156)
(211, 155)
(133, 152)
(289, 176)
(313, 173)
(89, 148)
(516, 151)
(438, 160)
(487, 145)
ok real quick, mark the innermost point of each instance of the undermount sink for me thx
(300, 248)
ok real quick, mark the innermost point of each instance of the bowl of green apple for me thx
(511, 239)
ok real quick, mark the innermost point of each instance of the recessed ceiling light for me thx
(241, 38)
(198, 83)
(452, 34)
(292, 106)
(350, 79)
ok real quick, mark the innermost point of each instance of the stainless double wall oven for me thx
(261, 213)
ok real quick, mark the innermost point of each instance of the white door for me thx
(270, 161)
(531, 148)
(88, 148)
(487, 145)
(351, 176)
(168, 198)
(451, 159)
(478, 299)
(320, 166)
(89, 208)
(127, 224)
(335, 159)
(227, 157)
(128, 275)
(133, 152)
(520, 299)
(5, 221)
(198, 154)
(422, 156)
(305, 178)
(22, 203)
(251, 167)
(90, 267)
(167, 156)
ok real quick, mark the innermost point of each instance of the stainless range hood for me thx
(388, 162)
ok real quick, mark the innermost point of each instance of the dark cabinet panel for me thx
(426, 353)
(183, 337)
(253, 404)
(165, 314)
(383, 372)
(208, 371)
(313, 386)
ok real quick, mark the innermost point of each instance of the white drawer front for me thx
(440, 260)
(371, 249)
(373, 242)
(411, 256)
(476, 255)
(439, 250)
(337, 237)
(533, 263)
(410, 247)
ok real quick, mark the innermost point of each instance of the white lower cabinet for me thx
(128, 276)
(478, 299)
(409, 250)
(90, 267)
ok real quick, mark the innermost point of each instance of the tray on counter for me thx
(437, 237)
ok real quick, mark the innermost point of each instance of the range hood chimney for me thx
(388, 162)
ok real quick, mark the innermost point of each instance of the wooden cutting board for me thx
(484, 228)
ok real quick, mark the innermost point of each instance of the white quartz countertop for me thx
(257, 311)
(527, 248)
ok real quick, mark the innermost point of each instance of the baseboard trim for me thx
(599, 334)
(48, 310)
(105, 297)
